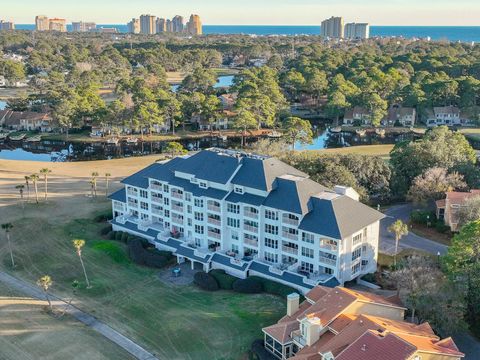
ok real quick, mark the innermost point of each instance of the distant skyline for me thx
(253, 12)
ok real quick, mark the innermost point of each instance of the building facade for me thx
(357, 31)
(81, 26)
(134, 26)
(6, 25)
(444, 115)
(255, 213)
(345, 324)
(147, 24)
(178, 24)
(332, 28)
(57, 24)
(42, 23)
(194, 25)
(161, 25)
(448, 208)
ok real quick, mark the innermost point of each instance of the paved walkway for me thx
(29, 290)
(387, 239)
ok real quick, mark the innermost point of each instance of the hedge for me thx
(250, 285)
(124, 237)
(104, 216)
(118, 235)
(105, 230)
(259, 351)
(205, 281)
(274, 288)
(139, 255)
(224, 280)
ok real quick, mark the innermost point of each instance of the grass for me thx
(372, 150)
(28, 332)
(431, 233)
(171, 321)
(387, 260)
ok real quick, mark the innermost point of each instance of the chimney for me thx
(347, 191)
(293, 302)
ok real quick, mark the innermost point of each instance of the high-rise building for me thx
(7, 25)
(169, 25)
(147, 24)
(177, 24)
(57, 24)
(81, 26)
(357, 31)
(134, 26)
(194, 26)
(161, 25)
(41, 23)
(332, 28)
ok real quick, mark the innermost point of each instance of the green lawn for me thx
(171, 321)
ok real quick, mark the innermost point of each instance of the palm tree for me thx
(45, 282)
(34, 178)
(20, 188)
(399, 228)
(7, 227)
(107, 176)
(27, 183)
(94, 182)
(45, 172)
(79, 244)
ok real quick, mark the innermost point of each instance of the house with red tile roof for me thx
(26, 120)
(448, 208)
(345, 324)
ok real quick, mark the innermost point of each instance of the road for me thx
(32, 291)
(387, 240)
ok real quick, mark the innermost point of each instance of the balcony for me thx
(132, 204)
(289, 236)
(177, 195)
(250, 214)
(213, 208)
(118, 206)
(250, 228)
(250, 242)
(289, 221)
(214, 235)
(157, 211)
(132, 192)
(327, 261)
(178, 221)
(177, 208)
(329, 247)
(156, 187)
(298, 338)
(157, 200)
(290, 250)
(214, 221)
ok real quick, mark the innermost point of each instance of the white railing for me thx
(177, 221)
(250, 228)
(328, 247)
(118, 206)
(289, 236)
(250, 214)
(157, 211)
(290, 250)
(214, 235)
(177, 195)
(177, 208)
(327, 261)
(213, 208)
(156, 187)
(133, 205)
(132, 192)
(289, 221)
(214, 222)
(158, 200)
(251, 242)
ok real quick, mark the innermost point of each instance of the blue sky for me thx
(281, 12)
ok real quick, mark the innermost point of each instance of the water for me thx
(222, 82)
(3, 104)
(451, 33)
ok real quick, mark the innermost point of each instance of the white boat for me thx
(380, 132)
(361, 132)
(113, 141)
(336, 129)
(3, 136)
(132, 140)
(35, 138)
(274, 134)
(17, 138)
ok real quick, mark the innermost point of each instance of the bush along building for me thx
(250, 215)
(344, 324)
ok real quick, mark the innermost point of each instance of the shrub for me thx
(135, 251)
(118, 235)
(441, 227)
(103, 216)
(224, 280)
(274, 288)
(111, 235)
(113, 250)
(105, 230)
(249, 285)
(420, 217)
(124, 237)
(205, 281)
(259, 351)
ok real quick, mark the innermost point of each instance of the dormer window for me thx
(193, 180)
(203, 185)
(238, 189)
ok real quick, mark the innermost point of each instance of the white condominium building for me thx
(357, 31)
(332, 28)
(250, 215)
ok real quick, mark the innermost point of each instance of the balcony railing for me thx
(298, 338)
(328, 247)
(327, 261)
(290, 250)
(250, 242)
(177, 195)
(214, 221)
(178, 221)
(157, 211)
(132, 204)
(290, 221)
(213, 208)
(132, 192)
(118, 206)
(214, 235)
(289, 236)
(250, 228)
(158, 200)
(250, 214)
(156, 187)
(177, 208)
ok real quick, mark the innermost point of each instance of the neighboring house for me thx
(250, 215)
(222, 123)
(405, 116)
(345, 324)
(228, 101)
(357, 114)
(27, 120)
(447, 209)
(444, 115)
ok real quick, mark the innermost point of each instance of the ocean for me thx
(450, 33)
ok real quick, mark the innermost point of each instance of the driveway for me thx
(412, 241)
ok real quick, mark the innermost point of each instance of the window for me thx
(305, 266)
(250, 225)
(189, 222)
(308, 238)
(328, 270)
(251, 209)
(356, 254)
(233, 208)
(271, 257)
(203, 185)
(271, 229)
(198, 202)
(167, 213)
(235, 223)
(357, 239)
(143, 205)
(165, 188)
(166, 201)
(189, 209)
(198, 216)
(199, 229)
(238, 189)
(193, 180)
(355, 268)
(143, 216)
(235, 248)
(198, 242)
(188, 197)
(365, 231)
(144, 194)
(272, 215)
(235, 236)
(307, 252)
(271, 243)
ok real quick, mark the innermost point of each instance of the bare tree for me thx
(470, 211)
(8, 227)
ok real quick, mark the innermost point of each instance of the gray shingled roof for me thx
(338, 217)
(245, 199)
(120, 195)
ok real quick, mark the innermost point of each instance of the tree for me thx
(20, 188)
(44, 283)
(174, 148)
(462, 266)
(376, 106)
(297, 129)
(27, 183)
(45, 172)
(243, 121)
(78, 244)
(107, 176)
(94, 182)
(433, 184)
(7, 227)
(398, 228)
(469, 211)
(34, 178)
